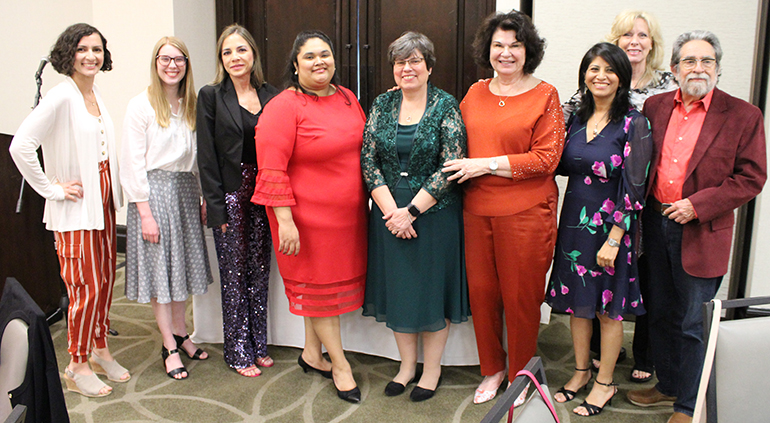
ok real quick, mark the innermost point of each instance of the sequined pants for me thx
(244, 271)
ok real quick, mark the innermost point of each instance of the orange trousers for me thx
(507, 258)
(87, 260)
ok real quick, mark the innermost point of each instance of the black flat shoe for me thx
(306, 367)
(181, 340)
(421, 394)
(353, 395)
(165, 354)
(394, 388)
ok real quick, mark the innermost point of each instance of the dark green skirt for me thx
(415, 285)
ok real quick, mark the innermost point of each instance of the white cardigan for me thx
(70, 153)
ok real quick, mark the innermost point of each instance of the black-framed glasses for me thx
(166, 60)
(414, 61)
(691, 62)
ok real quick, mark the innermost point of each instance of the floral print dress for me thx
(607, 180)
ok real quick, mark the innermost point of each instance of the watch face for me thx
(493, 164)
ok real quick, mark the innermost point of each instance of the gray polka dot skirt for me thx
(177, 265)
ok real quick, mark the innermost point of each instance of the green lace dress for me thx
(416, 285)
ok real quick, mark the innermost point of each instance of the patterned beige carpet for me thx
(215, 393)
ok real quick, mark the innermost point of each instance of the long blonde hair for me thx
(624, 22)
(257, 76)
(157, 96)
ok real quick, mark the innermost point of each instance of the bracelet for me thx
(612, 243)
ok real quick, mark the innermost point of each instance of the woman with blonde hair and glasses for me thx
(228, 111)
(166, 257)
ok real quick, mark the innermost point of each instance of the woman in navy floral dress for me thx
(606, 157)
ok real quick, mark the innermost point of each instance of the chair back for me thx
(14, 350)
(535, 409)
(741, 369)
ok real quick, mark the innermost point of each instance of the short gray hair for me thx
(706, 36)
(407, 43)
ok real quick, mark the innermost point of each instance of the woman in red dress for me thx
(308, 154)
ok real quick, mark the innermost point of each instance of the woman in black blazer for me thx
(228, 110)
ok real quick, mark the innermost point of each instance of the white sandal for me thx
(111, 369)
(86, 385)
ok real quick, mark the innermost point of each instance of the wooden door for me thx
(361, 31)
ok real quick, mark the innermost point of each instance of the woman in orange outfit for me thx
(515, 138)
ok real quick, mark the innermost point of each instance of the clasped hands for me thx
(399, 223)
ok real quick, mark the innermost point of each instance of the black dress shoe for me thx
(394, 388)
(306, 367)
(353, 395)
(421, 394)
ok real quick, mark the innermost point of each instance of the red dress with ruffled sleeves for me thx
(308, 154)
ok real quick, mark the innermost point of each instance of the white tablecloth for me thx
(359, 333)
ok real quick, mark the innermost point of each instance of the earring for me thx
(295, 71)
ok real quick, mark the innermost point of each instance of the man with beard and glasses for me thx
(709, 159)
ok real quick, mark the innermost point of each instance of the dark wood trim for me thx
(747, 213)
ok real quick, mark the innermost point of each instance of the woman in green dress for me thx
(416, 267)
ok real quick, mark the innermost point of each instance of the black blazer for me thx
(220, 144)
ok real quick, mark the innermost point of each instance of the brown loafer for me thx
(678, 417)
(650, 398)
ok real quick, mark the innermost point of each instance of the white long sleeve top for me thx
(147, 146)
(71, 141)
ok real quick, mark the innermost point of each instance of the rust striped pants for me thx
(87, 259)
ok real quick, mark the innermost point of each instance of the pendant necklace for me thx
(408, 118)
(502, 102)
(596, 125)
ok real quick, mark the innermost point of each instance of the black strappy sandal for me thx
(181, 340)
(165, 353)
(570, 395)
(594, 410)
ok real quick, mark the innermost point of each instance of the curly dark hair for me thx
(526, 33)
(63, 52)
(289, 75)
(618, 61)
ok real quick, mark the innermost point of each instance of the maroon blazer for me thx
(728, 168)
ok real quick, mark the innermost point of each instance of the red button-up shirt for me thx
(678, 144)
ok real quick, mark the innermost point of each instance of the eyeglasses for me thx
(166, 60)
(689, 63)
(412, 62)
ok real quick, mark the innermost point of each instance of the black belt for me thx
(657, 205)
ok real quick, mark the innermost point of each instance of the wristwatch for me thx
(493, 166)
(612, 243)
(413, 210)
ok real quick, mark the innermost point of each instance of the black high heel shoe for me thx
(353, 395)
(181, 340)
(165, 353)
(594, 410)
(570, 395)
(394, 388)
(421, 394)
(306, 367)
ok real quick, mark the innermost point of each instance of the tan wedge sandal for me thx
(111, 369)
(86, 385)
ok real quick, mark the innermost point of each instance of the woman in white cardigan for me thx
(82, 191)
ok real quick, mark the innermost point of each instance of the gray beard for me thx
(695, 89)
